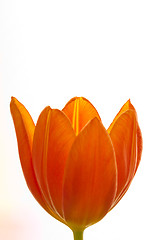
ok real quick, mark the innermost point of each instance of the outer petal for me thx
(123, 135)
(125, 107)
(139, 151)
(24, 127)
(90, 177)
(79, 110)
(53, 138)
(138, 142)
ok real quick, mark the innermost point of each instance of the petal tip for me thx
(13, 99)
(129, 104)
(95, 120)
(13, 102)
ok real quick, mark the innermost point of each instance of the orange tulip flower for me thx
(75, 168)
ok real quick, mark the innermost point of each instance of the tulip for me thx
(75, 168)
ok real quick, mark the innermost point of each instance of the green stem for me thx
(78, 235)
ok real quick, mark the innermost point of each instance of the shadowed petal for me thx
(123, 135)
(25, 127)
(90, 177)
(137, 160)
(53, 138)
(79, 110)
(139, 146)
(40, 142)
(125, 107)
(128, 106)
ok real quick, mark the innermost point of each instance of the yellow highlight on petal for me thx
(75, 120)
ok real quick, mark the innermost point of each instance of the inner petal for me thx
(80, 111)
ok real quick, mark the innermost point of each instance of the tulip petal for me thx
(25, 127)
(139, 152)
(124, 108)
(139, 146)
(90, 177)
(123, 135)
(53, 138)
(128, 106)
(79, 110)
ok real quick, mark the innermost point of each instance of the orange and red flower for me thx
(75, 168)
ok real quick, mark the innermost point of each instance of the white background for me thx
(106, 51)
